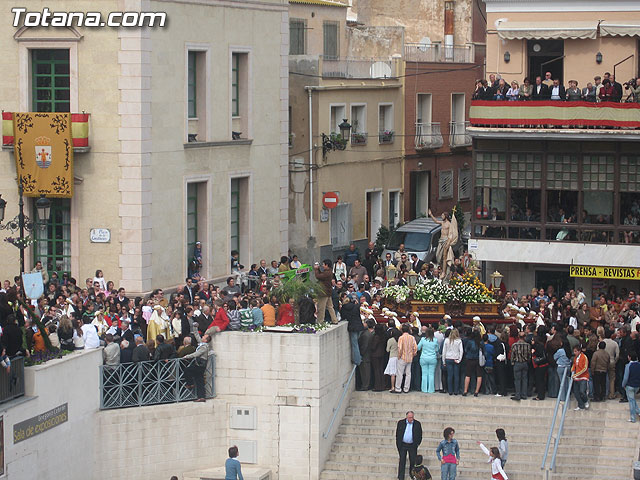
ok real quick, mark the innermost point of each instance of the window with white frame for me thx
(385, 123)
(445, 184)
(337, 116)
(358, 124)
(464, 184)
(197, 94)
(423, 112)
(240, 95)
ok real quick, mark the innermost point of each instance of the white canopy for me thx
(620, 28)
(547, 30)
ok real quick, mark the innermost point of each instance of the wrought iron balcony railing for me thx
(458, 135)
(150, 383)
(428, 136)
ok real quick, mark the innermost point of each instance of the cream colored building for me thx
(340, 72)
(573, 40)
(163, 168)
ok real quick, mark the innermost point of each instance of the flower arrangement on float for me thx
(461, 288)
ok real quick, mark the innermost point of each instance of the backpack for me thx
(420, 472)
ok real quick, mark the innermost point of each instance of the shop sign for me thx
(625, 273)
(40, 423)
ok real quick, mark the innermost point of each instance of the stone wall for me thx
(293, 380)
(66, 450)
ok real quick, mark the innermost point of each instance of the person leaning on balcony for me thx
(514, 91)
(597, 84)
(557, 91)
(540, 90)
(573, 93)
(589, 93)
(501, 90)
(194, 372)
(526, 90)
(607, 92)
(111, 352)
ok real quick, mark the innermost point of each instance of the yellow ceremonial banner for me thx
(44, 153)
(626, 273)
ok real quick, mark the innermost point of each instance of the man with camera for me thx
(634, 86)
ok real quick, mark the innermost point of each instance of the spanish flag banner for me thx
(43, 149)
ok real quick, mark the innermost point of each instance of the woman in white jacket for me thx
(451, 357)
(497, 473)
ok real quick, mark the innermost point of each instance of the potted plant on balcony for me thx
(386, 136)
(337, 139)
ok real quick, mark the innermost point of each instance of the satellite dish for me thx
(424, 42)
(380, 70)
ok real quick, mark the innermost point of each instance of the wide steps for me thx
(596, 444)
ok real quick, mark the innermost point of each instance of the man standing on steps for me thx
(520, 358)
(408, 439)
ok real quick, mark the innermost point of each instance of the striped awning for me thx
(605, 114)
(620, 28)
(548, 30)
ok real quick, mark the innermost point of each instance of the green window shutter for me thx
(330, 35)
(50, 84)
(296, 37)
(235, 85)
(191, 84)
(53, 242)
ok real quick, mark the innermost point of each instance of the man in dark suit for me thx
(617, 88)
(557, 91)
(416, 263)
(540, 90)
(189, 291)
(408, 439)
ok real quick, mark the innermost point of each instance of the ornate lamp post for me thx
(329, 142)
(496, 279)
(21, 222)
(412, 279)
(391, 272)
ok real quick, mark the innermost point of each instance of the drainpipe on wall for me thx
(448, 29)
(310, 164)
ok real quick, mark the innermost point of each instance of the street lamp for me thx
(496, 279)
(21, 222)
(412, 279)
(333, 142)
(391, 271)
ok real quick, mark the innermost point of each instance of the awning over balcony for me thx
(543, 113)
(548, 30)
(620, 28)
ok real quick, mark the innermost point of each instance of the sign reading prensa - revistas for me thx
(626, 273)
(40, 423)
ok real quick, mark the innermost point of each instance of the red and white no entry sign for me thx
(330, 200)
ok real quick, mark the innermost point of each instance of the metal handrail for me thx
(150, 383)
(337, 408)
(12, 383)
(561, 427)
(553, 425)
(553, 421)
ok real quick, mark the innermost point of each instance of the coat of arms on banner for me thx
(43, 152)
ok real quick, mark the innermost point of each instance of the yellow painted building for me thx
(187, 139)
(340, 72)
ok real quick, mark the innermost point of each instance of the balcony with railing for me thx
(458, 135)
(438, 53)
(150, 383)
(361, 68)
(428, 136)
(555, 118)
(12, 382)
(386, 137)
(359, 138)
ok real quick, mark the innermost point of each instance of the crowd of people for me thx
(602, 89)
(547, 339)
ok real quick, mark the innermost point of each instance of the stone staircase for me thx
(596, 444)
